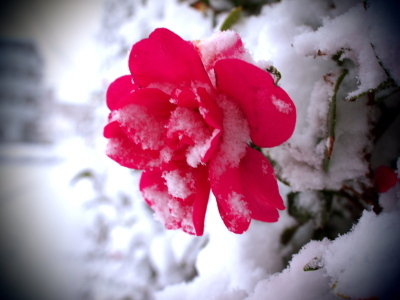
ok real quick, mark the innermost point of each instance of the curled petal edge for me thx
(268, 108)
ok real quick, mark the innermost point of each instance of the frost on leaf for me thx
(314, 264)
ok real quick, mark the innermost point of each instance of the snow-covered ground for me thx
(91, 237)
(39, 219)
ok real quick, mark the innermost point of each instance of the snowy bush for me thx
(338, 61)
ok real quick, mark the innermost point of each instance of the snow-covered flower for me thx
(187, 115)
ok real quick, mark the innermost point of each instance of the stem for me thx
(332, 122)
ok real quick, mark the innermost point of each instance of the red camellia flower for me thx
(186, 115)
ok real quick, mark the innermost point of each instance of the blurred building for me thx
(64, 120)
(21, 90)
(29, 112)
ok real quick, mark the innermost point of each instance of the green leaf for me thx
(274, 71)
(82, 175)
(232, 18)
(288, 233)
(255, 147)
(315, 264)
(319, 212)
(338, 56)
(327, 200)
(296, 211)
(332, 122)
(388, 83)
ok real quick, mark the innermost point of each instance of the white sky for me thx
(64, 31)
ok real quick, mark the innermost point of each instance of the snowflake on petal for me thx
(186, 116)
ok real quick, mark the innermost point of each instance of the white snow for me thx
(135, 118)
(280, 105)
(347, 33)
(217, 45)
(179, 185)
(235, 136)
(188, 124)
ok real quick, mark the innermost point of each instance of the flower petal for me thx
(165, 58)
(143, 116)
(221, 45)
(159, 186)
(185, 97)
(212, 144)
(210, 111)
(195, 184)
(121, 149)
(154, 190)
(260, 187)
(118, 89)
(201, 197)
(112, 129)
(212, 114)
(187, 126)
(384, 179)
(155, 100)
(227, 188)
(269, 110)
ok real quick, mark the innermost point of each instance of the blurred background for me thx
(72, 225)
(48, 74)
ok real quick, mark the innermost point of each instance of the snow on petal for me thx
(235, 137)
(138, 110)
(128, 154)
(187, 123)
(227, 188)
(179, 184)
(268, 109)
(187, 127)
(221, 45)
(281, 105)
(155, 100)
(134, 120)
(202, 153)
(155, 193)
(160, 188)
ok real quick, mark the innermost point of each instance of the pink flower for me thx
(384, 179)
(186, 116)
